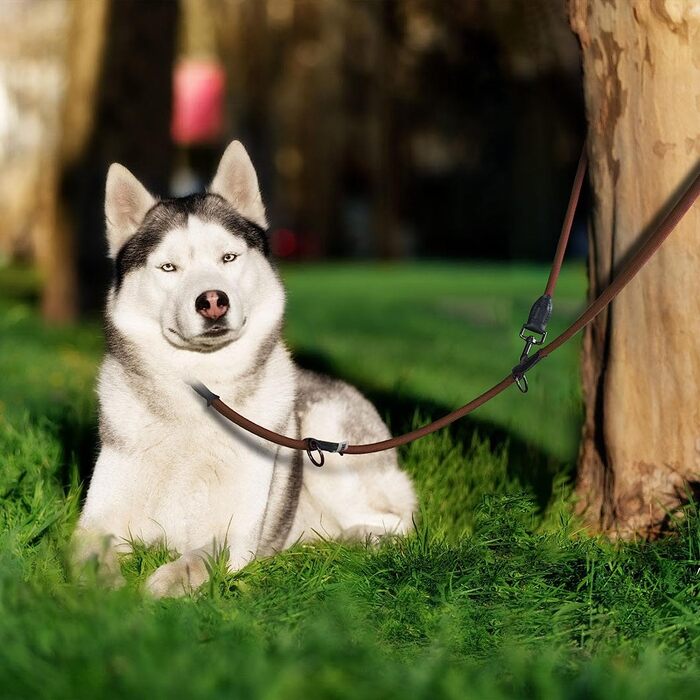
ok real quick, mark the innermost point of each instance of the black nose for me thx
(212, 304)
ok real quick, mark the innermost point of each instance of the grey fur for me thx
(109, 437)
(273, 339)
(361, 421)
(282, 503)
(127, 356)
(121, 348)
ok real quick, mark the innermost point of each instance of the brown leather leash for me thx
(533, 332)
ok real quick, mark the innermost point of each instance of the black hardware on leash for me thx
(533, 332)
(537, 326)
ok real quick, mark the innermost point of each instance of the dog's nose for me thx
(212, 304)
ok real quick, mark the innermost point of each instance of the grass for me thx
(498, 594)
(441, 334)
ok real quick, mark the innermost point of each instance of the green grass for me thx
(497, 595)
(443, 333)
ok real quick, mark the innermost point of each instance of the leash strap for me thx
(315, 448)
(534, 330)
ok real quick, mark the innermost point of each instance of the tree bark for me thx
(640, 451)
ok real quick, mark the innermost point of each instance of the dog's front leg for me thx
(236, 515)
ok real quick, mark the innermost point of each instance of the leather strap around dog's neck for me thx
(315, 448)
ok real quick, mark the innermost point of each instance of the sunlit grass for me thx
(493, 596)
(445, 333)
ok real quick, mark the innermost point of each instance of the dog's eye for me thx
(168, 267)
(229, 257)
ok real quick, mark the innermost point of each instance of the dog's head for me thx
(196, 267)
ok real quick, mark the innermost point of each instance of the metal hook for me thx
(521, 383)
(529, 342)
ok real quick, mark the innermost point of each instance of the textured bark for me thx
(641, 360)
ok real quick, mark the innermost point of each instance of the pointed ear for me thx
(126, 203)
(237, 183)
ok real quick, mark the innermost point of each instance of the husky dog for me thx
(196, 298)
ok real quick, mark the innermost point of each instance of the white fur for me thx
(126, 203)
(236, 181)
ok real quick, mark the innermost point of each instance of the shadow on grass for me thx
(80, 443)
(77, 434)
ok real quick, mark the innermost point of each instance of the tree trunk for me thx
(56, 247)
(640, 450)
(131, 125)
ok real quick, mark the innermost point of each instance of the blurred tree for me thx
(130, 125)
(33, 77)
(408, 126)
(90, 97)
(388, 170)
(392, 128)
(641, 363)
(56, 255)
(52, 75)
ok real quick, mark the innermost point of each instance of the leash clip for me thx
(533, 332)
(315, 449)
(527, 362)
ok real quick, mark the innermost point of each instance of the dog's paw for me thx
(180, 577)
(103, 571)
(371, 534)
(93, 558)
(368, 534)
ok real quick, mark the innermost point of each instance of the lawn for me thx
(497, 594)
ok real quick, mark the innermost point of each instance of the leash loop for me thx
(312, 450)
(534, 331)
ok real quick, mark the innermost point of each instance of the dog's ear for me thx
(126, 203)
(237, 183)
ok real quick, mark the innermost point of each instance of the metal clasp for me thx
(526, 363)
(533, 332)
(530, 340)
(535, 338)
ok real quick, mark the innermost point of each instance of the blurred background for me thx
(381, 129)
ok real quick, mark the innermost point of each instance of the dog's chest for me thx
(187, 487)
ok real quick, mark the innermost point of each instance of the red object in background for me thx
(198, 102)
(284, 242)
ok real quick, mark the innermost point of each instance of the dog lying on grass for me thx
(196, 297)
